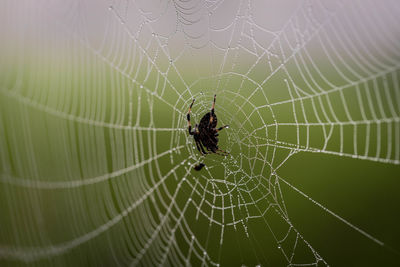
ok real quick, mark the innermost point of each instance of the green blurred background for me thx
(96, 163)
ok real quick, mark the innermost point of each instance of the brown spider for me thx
(205, 134)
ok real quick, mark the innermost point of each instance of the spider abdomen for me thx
(209, 121)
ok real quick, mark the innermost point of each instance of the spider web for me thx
(96, 162)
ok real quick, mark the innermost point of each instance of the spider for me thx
(205, 134)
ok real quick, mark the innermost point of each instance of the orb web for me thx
(97, 163)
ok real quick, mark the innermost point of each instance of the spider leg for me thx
(223, 127)
(202, 148)
(198, 147)
(188, 119)
(213, 105)
(222, 152)
(212, 111)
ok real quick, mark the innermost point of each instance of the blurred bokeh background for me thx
(96, 165)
